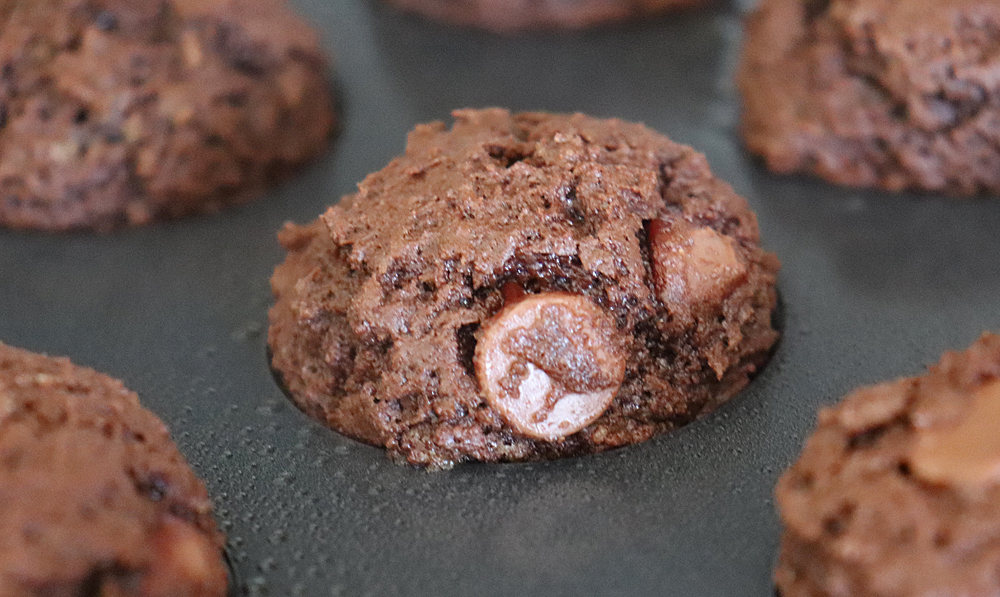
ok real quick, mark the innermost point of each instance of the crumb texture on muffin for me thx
(393, 304)
(897, 492)
(118, 112)
(894, 94)
(95, 499)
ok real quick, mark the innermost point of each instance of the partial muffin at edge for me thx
(121, 112)
(511, 16)
(897, 492)
(95, 499)
(876, 93)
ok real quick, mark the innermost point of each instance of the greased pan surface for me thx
(874, 286)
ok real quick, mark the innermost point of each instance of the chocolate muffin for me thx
(897, 493)
(897, 94)
(94, 497)
(118, 112)
(508, 16)
(523, 287)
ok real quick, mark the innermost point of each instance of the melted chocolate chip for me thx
(693, 264)
(550, 364)
(966, 453)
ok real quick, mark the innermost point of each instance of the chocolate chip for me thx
(185, 562)
(966, 453)
(550, 364)
(693, 264)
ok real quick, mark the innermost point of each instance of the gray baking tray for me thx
(874, 286)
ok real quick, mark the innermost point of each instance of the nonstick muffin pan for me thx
(873, 286)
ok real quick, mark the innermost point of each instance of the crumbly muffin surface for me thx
(897, 94)
(897, 493)
(95, 499)
(117, 112)
(392, 305)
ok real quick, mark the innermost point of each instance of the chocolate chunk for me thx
(963, 453)
(693, 264)
(550, 364)
(186, 563)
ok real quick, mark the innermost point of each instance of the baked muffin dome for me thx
(523, 287)
(897, 492)
(896, 94)
(509, 16)
(121, 112)
(95, 498)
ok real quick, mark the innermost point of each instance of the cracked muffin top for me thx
(117, 112)
(523, 286)
(95, 499)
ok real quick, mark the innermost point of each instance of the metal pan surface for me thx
(874, 286)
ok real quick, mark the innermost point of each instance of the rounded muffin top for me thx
(501, 197)
(94, 496)
(384, 300)
(890, 93)
(896, 492)
(118, 112)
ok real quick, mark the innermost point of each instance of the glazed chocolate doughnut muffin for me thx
(94, 497)
(885, 93)
(120, 112)
(508, 16)
(523, 287)
(897, 493)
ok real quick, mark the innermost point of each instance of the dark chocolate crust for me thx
(381, 301)
(509, 16)
(117, 112)
(892, 94)
(860, 522)
(95, 499)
